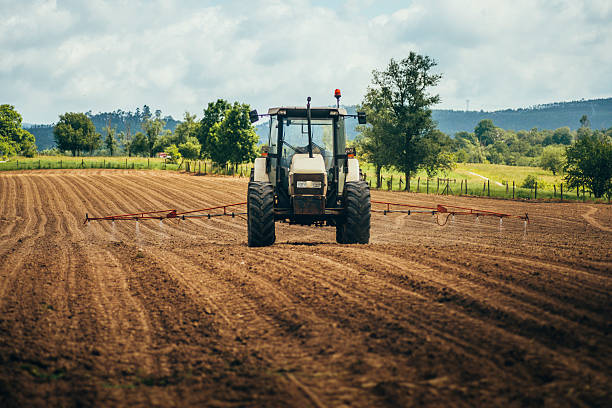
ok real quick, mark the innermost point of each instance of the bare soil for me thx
(183, 313)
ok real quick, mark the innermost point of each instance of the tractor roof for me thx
(300, 111)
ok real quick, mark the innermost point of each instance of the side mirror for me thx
(361, 118)
(254, 117)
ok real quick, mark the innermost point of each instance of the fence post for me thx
(126, 163)
(561, 191)
(461, 188)
(554, 190)
(488, 188)
(427, 185)
(535, 191)
(484, 187)
(506, 187)
(438, 187)
(419, 185)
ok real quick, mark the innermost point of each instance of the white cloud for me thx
(179, 55)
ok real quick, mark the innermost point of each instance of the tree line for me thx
(224, 134)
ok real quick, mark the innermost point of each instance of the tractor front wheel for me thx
(354, 228)
(260, 214)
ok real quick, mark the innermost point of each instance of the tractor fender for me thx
(260, 173)
(353, 170)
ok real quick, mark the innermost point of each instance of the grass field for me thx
(100, 162)
(474, 174)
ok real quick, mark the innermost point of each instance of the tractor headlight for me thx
(308, 184)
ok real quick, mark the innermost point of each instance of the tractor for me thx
(307, 176)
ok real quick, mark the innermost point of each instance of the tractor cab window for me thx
(295, 135)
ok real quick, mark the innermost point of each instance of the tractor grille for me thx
(309, 184)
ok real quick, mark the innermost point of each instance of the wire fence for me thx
(198, 167)
(484, 188)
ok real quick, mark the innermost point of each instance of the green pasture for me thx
(500, 183)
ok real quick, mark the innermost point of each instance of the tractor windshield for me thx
(295, 135)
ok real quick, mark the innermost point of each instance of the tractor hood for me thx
(307, 169)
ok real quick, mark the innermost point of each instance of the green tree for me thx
(233, 139)
(93, 142)
(164, 140)
(152, 126)
(190, 149)
(126, 139)
(173, 154)
(140, 144)
(75, 132)
(213, 114)
(403, 88)
(552, 158)
(187, 128)
(13, 138)
(110, 141)
(486, 132)
(562, 136)
(589, 163)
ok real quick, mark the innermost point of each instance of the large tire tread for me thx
(355, 228)
(260, 214)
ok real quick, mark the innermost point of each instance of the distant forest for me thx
(120, 120)
(548, 116)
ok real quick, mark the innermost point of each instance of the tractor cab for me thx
(294, 161)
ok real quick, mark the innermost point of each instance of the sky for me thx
(178, 55)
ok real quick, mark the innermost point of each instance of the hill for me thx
(548, 116)
(119, 119)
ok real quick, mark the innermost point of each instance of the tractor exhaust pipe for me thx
(309, 129)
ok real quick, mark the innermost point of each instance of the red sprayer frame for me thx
(163, 214)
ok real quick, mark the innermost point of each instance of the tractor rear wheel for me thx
(355, 227)
(260, 214)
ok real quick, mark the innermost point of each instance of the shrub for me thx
(529, 181)
(173, 153)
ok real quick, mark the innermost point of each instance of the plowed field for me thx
(184, 313)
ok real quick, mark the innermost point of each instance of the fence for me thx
(506, 189)
(201, 167)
